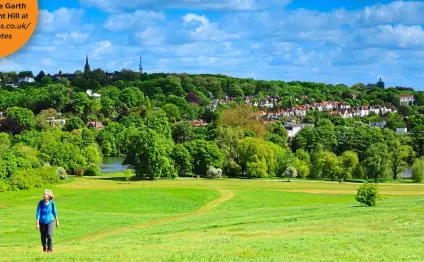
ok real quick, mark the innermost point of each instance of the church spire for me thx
(87, 65)
(140, 67)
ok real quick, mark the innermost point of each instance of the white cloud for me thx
(46, 62)
(202, 29)
(7, 65)
(409, 12)
(102, 48)
(151, 36)
(116, 6)
(62, 19)
(398, 36)
(132, 21)
(74, 37)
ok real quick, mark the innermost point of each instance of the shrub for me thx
(290, 172)
(79, 171)
(418, 170)
(367, 194)
(92, 170)
(128, 174)
(4, 186)
(214, 172)
(61, 172)
(26, 179)
(48, 175)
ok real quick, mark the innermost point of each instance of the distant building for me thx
(56, 122)
(377, 124)
(402, 130)
(12, 85)
(380, 84)
(197, 123)
(26, 80)
(87, 65)
(407, 99)
(95, 124)
(92, 94)
(407, 174)
(293, 128)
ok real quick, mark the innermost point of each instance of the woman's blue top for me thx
(46, 212)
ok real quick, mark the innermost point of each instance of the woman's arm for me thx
(37, 216)
(55, 214)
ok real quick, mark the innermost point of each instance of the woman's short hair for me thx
(50, 193)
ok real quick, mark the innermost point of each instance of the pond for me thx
(112, 164)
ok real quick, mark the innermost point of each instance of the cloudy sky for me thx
(332, 41)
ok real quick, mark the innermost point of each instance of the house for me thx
(95, 124)
(12, 85)
(91, 94)
(56, 122)
(293, 128)
(402, 130)
(377, 124)
(407, 99)
(197, 123)
(407, 174)
(26, 80)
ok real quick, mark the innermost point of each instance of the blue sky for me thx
(331, 41)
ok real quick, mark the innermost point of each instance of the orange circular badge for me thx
(17, 23)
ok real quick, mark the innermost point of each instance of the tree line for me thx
(146, 119)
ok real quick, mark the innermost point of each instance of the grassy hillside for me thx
(226, 220)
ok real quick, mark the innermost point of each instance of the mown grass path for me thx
(225, 195)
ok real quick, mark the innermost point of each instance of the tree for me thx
(377, 161)
(158, 121)
(182, 132)
(349, 161)
(64, 81)
(172, 112)
(250, 147)
(332, 166)
(44, 117)
(45, 80)
(182, 161)
(418, 170)
(243, 117)
(73, 123)
(5, 143)
(204, 154)
(399, 155)
(26, 74)
(40, 76)
(256, 167)
(20, 119)
(149, 155)
(131, 96)
(290, 172)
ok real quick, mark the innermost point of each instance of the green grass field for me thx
(216, 220)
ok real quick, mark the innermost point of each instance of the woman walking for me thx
(46, 215)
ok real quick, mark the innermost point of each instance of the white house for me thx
(402, 130)
(26, 80)
(91, 94)
(56, 122)
(406, 99)
(293, 128)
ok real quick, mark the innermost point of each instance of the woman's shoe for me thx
(44, 249)
(49, 251)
